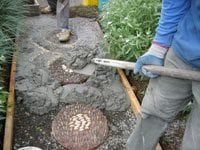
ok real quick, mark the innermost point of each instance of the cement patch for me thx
(41, 92)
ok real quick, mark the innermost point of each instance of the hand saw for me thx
(160, 70)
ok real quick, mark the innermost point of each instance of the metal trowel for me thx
(160, 70)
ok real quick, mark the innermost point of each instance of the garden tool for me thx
(160, 70)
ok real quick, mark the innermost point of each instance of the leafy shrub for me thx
(11, 16)
(11, 24)
(3, 97)
(129, 27)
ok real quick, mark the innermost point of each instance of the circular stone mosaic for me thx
(80, 127)
(64, 74)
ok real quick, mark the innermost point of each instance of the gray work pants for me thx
(164, 99)
(62, 11)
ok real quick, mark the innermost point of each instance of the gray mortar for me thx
(102, 90)
(35, 130)
(36, 88)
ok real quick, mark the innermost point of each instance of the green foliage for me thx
(3, 97)
(11, 16)
(11, 24)
(129, 26)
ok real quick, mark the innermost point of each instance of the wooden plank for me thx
(134, 101)
(8, 135)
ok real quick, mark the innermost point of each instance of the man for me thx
(176, 45)
(61, 7)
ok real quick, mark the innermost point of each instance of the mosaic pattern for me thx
(80, 127)
(64, 74)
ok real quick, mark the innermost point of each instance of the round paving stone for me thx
(80, 127)
(64, 74)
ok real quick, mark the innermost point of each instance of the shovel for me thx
(160, 70)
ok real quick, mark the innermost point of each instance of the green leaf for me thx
(129, 27)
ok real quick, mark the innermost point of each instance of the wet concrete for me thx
(34, 73)
(40, 94)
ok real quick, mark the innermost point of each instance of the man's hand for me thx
(154, 56)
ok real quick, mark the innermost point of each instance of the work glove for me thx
(154, 56)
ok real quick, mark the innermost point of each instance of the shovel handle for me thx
(172, 72)
(160, 70)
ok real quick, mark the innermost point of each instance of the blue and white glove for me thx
(154, 56)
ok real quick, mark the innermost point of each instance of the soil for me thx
(139, 85)
(1, 133)
(172, 138)
(83, 11)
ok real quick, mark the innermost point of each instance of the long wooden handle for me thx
(176, 73)
(160, 70)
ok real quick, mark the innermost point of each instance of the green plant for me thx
(11, 24)
(3, 98)
(129, 27)
(11, 16)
